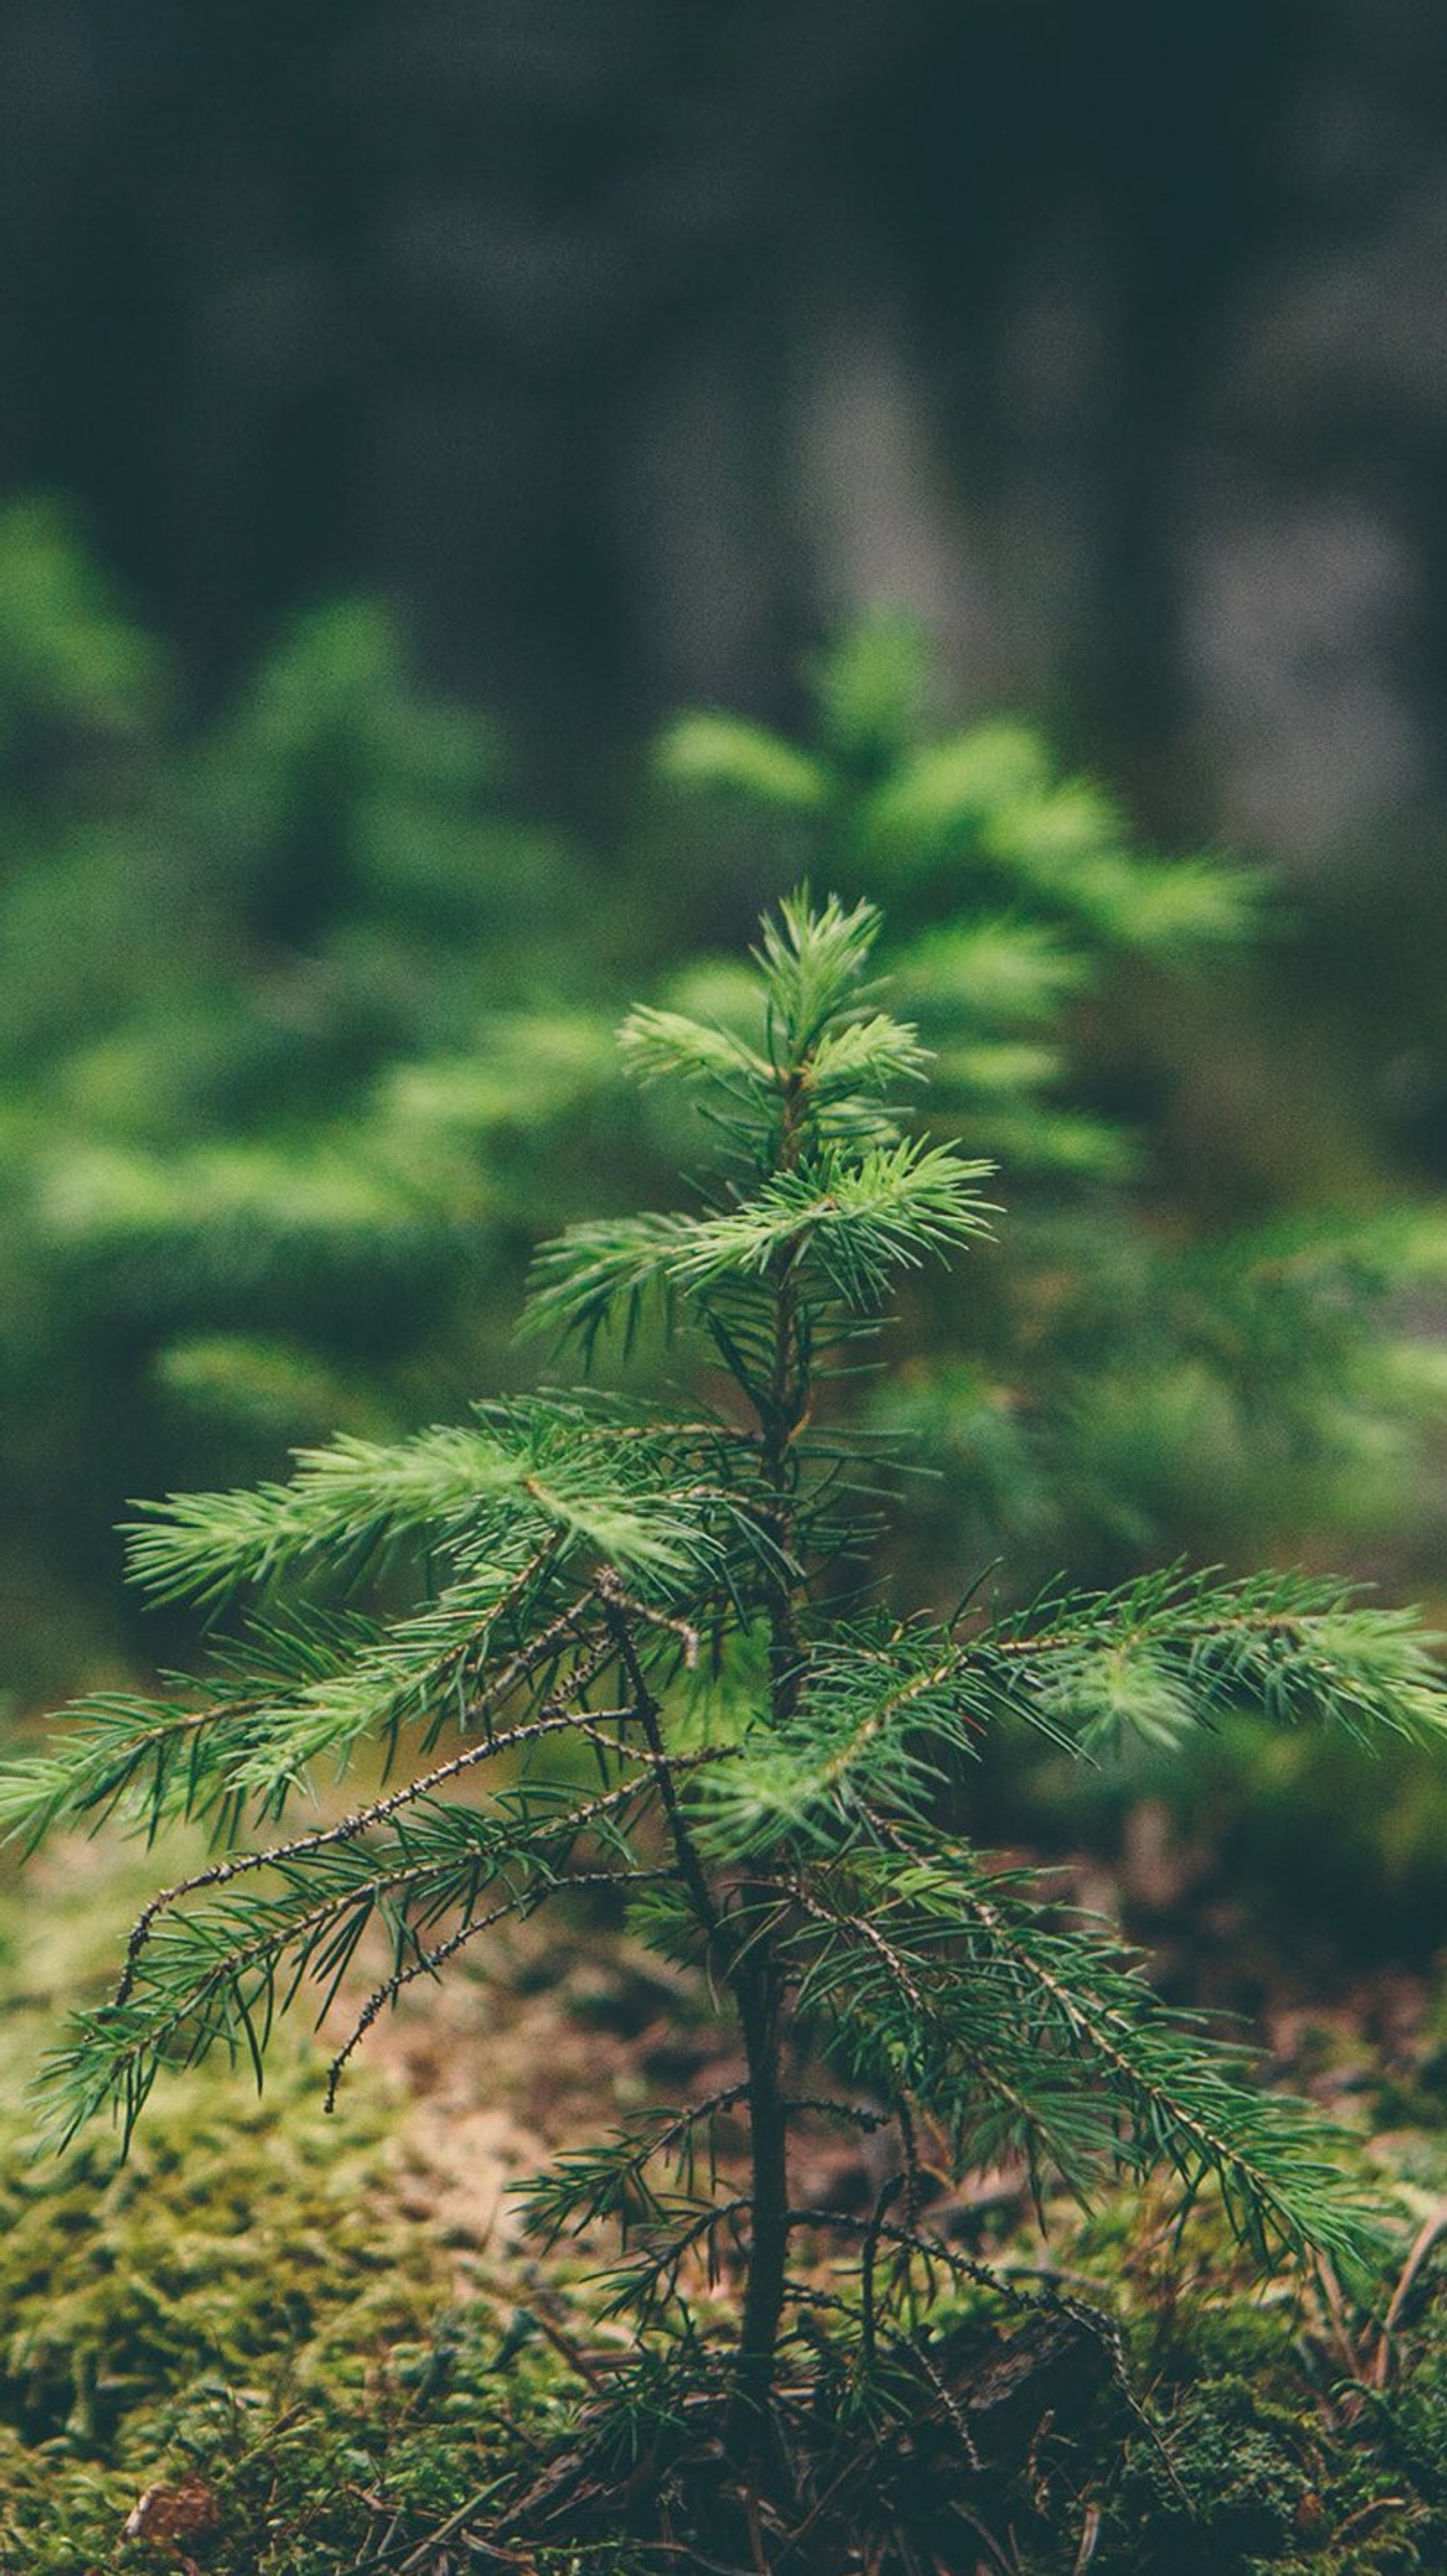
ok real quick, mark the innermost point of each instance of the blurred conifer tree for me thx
(304, 1042)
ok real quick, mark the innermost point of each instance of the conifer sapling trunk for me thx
(646, 1657)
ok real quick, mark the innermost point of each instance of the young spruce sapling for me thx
(646, 1658)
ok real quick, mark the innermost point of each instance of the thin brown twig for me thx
(428, 1962)
(1336, 2309)
(551, 1720)
(1426, 2237)
(867, 1931)
(889, 2192)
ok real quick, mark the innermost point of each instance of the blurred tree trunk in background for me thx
(622, 345)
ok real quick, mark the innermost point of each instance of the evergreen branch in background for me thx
(644, 1653)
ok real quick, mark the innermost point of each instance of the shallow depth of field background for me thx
(616, 346)
(407, 408)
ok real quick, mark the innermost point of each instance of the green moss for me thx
(252, 2303)
(1229, 2478)
(244, 2304)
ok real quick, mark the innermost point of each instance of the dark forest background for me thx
(409, 408)
(620, 344)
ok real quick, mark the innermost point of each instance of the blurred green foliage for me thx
(215, 931)
(305, 1039)
(1127, 1375)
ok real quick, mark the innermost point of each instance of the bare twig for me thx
(1427, 2236)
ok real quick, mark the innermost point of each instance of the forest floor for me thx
(273, 2343)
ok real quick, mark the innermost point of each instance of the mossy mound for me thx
(241, 2309)
(275, 2344)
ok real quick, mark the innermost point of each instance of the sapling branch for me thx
(350, 1829)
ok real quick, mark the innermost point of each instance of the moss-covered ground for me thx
(272, 2343)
